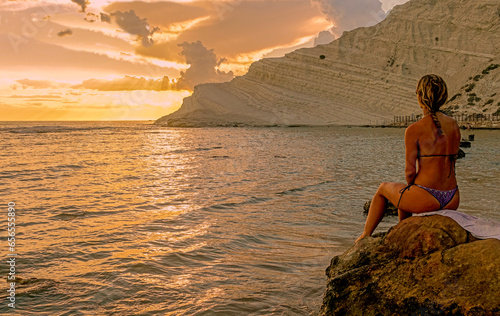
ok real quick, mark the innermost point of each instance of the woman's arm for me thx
(459, 134)
(411, 153)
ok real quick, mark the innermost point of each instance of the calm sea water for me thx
(126, 218)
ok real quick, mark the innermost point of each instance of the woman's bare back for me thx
(436, 152)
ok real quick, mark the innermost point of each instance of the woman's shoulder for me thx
(449, 122)
(414, 132)
(418, 125)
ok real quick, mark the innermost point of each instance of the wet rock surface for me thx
(390, 210)
(422, 266)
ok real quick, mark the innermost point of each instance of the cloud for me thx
(82, 3)
(162, 13)
(39, 97)
(247, 30)
(91, 17)
(132, 24)
(348, 15)
(387, 5)
(253, 26)
(25, 30)
(324, 37)
(203, 66)
(50, 61)
(105, 18)
(39, 84)
(67, 32)
(203, 69)
(127, 83)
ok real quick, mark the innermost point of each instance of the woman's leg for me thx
(378, 206)
(415, 199)
(403, 215)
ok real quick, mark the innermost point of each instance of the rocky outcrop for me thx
(367, 76)
(390, 210)
(422, 266)
(479, 97)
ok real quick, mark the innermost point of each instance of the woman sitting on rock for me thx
(432, 146)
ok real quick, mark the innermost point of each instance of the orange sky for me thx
(121, 60)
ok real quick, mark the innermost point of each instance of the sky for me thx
(137, 60)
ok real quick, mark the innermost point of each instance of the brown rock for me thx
(390, 210)
(421, 236)
(422, 266)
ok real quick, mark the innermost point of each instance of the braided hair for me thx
(433, 93)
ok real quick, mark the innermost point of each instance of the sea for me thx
(129, 218)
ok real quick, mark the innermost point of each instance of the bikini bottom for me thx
(443, 197)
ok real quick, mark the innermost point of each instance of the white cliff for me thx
(367, 76)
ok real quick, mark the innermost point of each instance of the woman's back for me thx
(436, 151)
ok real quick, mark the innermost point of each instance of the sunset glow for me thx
(121, 60)
(55, 53)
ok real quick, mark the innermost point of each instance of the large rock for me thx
(422, 266)
(366, 76)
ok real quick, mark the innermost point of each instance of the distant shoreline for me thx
(496, 126)
(462, 127)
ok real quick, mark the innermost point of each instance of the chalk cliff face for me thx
(365, 77)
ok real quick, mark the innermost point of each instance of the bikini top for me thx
(453, 158)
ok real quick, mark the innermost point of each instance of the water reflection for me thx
(138, 219)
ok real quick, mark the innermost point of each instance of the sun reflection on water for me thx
(141, 219)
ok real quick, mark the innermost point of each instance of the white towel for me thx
(479, 227)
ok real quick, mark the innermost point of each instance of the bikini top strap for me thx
(453, 158)
(452, 155)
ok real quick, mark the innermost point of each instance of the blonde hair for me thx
(433, 93)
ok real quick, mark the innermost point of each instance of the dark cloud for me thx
(82, 3)
(67, 32)
(348, 15)
(105, 18)
(132, 24)
(91, 17)
(203, 66)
